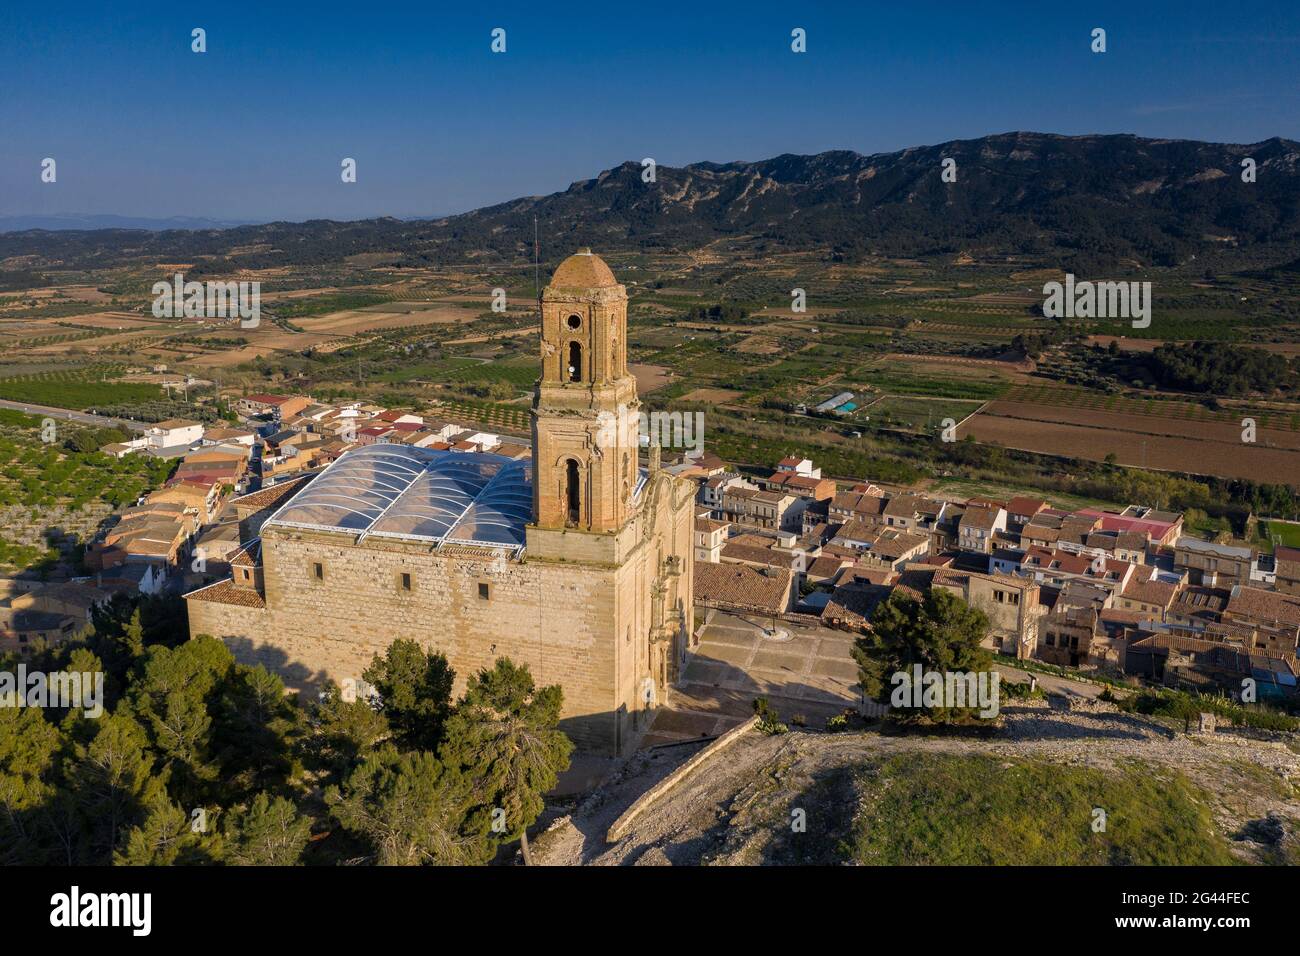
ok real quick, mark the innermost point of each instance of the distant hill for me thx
(1083, 202)
(85, 222)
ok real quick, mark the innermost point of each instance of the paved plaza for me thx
(805, 671)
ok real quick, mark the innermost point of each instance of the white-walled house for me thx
(173, 433)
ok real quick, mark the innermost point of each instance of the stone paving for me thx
(806, 672)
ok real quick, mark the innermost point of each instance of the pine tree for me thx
(339, 733)
(410, 807)
(28, 748)
(166, 837)
(503, 737)
(414, 690)
(112, 781)
(941, 632)
(271, 832)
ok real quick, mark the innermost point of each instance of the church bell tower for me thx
(585, 410)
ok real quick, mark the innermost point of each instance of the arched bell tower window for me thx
(575, 362)
(572, 491)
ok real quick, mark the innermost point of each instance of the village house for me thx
(1275, 615)
(1214, 564)
(745, 504)
(1153, 597)
(1021, 510)
(1192, 663)
(882, 547)
(1043, 530)
(742, 589)
(1161, 527)
(709, 536)
(36, 614)
(1130, 546)
(801, 486)
(912, 512)
(698, 465)
(1286, 565)
(794, 465)
(234, 436)
(1065, 637)
(826, 568)
(1197, 606)
(781, 550)
(276, 406)
(712, 489)
(978, 527)
(1058, 567)
(1012, 605)
(144, 535)
(173, 433)
(201, 498)
(857, 506)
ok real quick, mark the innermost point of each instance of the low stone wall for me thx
(651, 796)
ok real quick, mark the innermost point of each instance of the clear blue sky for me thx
(256, 127)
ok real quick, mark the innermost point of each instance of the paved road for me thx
(84, 418)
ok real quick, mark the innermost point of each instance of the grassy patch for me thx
(1288, 532)
(946, 809)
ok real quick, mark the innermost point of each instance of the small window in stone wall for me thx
(483, 592)
(318, 571)
(404, 581)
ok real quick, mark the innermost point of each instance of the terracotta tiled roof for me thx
(738, 585)
(1025, 506)
(249, 556)
(1261, 605)
(854, 604)
(979, 518)
(274, 495)
(826, 566)
(1159, 593)
(225, 592)
(753, 555)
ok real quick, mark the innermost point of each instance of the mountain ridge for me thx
(1088, 200)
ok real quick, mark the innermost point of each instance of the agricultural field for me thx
(918, 413)
(917, 341)
(509, 419)
(53, 499)
(1164, 436)
(78, 388)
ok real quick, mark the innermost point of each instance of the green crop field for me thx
(77, 389)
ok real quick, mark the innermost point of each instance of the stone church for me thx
(577, 562)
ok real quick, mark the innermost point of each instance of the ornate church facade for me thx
(577, 563)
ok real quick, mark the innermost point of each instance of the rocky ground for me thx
(735, 808)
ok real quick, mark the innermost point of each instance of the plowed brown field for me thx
(1166, 444)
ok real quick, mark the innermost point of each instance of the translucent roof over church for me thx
(400, 491)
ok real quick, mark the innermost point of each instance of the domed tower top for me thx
(583, 270)
(584, 328)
